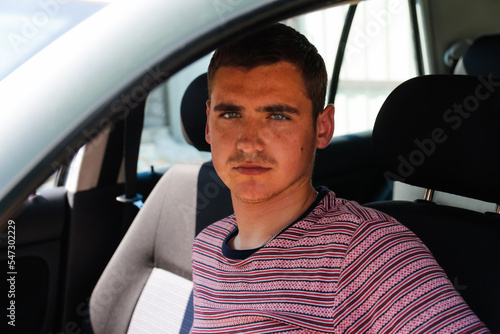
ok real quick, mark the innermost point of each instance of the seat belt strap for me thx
(131, 142)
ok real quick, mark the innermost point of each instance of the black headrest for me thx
(442, 132)
(193, 113)
(482, 57)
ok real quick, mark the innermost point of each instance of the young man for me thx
(293, 258)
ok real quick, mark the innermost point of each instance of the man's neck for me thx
(259, 222)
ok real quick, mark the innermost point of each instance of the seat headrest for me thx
(442, 132)
(482, 57)
(193, 113)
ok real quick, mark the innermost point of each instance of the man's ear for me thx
(207, 128)
(325, 125)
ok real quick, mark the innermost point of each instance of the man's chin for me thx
(259, 195)
(252, 195)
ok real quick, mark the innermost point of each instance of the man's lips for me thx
(251, 169)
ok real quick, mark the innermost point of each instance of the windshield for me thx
(27, 26)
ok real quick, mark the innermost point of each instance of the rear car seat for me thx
(481, 57)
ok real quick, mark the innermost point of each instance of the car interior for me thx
(110, 247)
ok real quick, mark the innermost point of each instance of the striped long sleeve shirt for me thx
(340, 268)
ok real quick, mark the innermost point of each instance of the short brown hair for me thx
(270, 46)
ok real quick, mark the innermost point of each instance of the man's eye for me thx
(230, 114)
(279, 117)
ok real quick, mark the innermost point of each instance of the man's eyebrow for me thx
(279, 108)
(227, 107)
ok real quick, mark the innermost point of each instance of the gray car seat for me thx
(146, 287)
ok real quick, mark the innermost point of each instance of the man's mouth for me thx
(251, 169)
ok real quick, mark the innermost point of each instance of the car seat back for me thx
(481, 57)
(442, 132)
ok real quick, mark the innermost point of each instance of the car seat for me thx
(481, 57)
(146, 287)
(442, 132)
(465, 57)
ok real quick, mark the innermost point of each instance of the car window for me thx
(379, 55)
(162, 141)
(323, 28)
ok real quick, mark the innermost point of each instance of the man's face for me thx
(261, 130)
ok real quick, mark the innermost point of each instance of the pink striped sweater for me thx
(340, 268)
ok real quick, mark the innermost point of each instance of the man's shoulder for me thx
(332, 209)
(218, 229)
(334, 216)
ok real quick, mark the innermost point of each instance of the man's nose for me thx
(249, 139)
